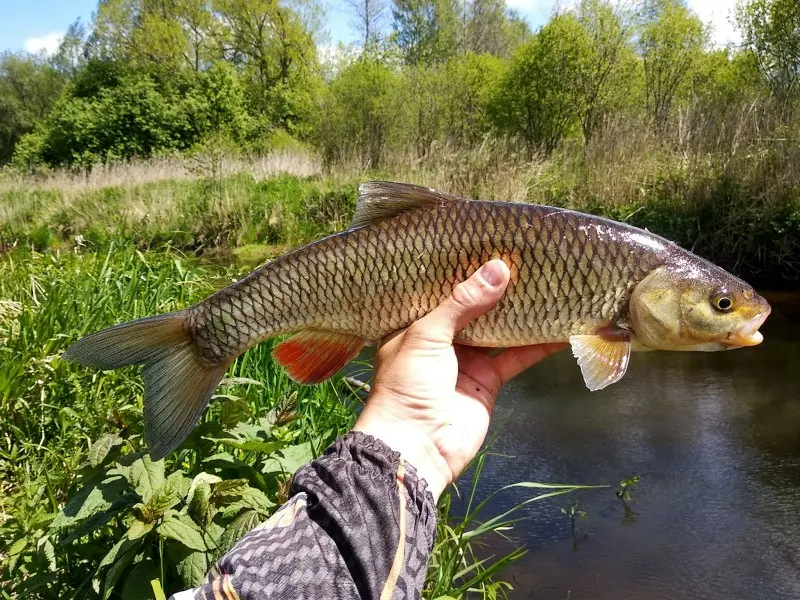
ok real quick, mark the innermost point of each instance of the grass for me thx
(82, 251)
(85, 514)
(739, 208)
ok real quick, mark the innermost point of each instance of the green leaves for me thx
(191, 565)
(96, 497)
(102, 447)
(146, 477)
(242, 524)
(183, 529)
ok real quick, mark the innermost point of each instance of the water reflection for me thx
(715, 439)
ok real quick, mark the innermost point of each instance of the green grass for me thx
(75, 259)
(76, 519)
(735, 214)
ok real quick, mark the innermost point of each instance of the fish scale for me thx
(600, 285)
(565, 281)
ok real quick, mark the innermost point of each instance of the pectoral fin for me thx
(603, 358)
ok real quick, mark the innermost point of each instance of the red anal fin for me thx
(312, 356)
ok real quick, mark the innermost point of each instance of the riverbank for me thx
(85, 513)
(730, 212)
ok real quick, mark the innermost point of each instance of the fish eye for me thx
(722, 303)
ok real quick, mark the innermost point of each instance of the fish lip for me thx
(749, 334)
(737, 340)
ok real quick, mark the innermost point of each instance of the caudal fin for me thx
(177, 384)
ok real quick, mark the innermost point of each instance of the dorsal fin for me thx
(379, 200)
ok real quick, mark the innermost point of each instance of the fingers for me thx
(512, 362)
(468, 301)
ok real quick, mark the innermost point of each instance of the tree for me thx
(134, 114)
(426, 30)
(671, 41)
(369, 18)
(606, 62)
(771, 30)
(468, 83)
(140, 32)
(486, 27)
(29, 86)
(537, 98)
(273, 49)
(359, 115)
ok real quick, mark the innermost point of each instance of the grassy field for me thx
(84, 513)
(741, 211)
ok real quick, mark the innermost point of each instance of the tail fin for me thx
(177, 384)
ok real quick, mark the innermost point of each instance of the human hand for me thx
(431, 401)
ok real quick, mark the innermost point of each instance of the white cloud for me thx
(718, 14)
(47, 43)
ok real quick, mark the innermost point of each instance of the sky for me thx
(37, 25)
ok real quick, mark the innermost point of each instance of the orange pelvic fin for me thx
(312, 356)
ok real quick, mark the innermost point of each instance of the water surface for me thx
(715, 439)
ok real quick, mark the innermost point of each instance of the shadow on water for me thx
(715, 439)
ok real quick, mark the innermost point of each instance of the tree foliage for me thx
(152, 76)
(771, 30)
(671, 42)
(357, 117)
(537, 97)
(28, 87)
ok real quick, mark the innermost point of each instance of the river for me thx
(715, 440)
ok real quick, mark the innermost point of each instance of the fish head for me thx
(693, 305)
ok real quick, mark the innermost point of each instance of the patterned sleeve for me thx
(359, 524)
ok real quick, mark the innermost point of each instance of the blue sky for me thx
(35, 25)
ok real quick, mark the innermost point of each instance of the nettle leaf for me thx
(101, 448)
(97, 496)
(192, 565)
(199, 480)
(252, 498)
(212, 535)
(234, 411)
(230, 467)
(169, 494)
(289, 459)
(137, 584)
(123, 465)
(147, 477)
(229, 381)
(45, 546)
(182, 528)
(252, 445)
(116, 571)
(120, 556)
(18, 547)
(101, 519)
(242, 524)
(199, 505)
(228, 490)
(139, 529)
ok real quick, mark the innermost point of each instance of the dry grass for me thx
(727, 187)
(140, 172)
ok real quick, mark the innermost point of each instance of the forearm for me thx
(359, 524)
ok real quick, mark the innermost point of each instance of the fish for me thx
(604, 287)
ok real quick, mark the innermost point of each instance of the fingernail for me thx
(492, 273)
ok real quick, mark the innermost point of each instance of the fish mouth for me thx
(749, 335)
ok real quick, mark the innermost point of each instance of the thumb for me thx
(468, 301)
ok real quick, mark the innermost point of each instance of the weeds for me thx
(729, 207)
(84, 513)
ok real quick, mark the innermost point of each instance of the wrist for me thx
(414, 446)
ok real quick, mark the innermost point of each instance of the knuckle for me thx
(465, 295)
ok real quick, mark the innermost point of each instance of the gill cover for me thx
(655, 311)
